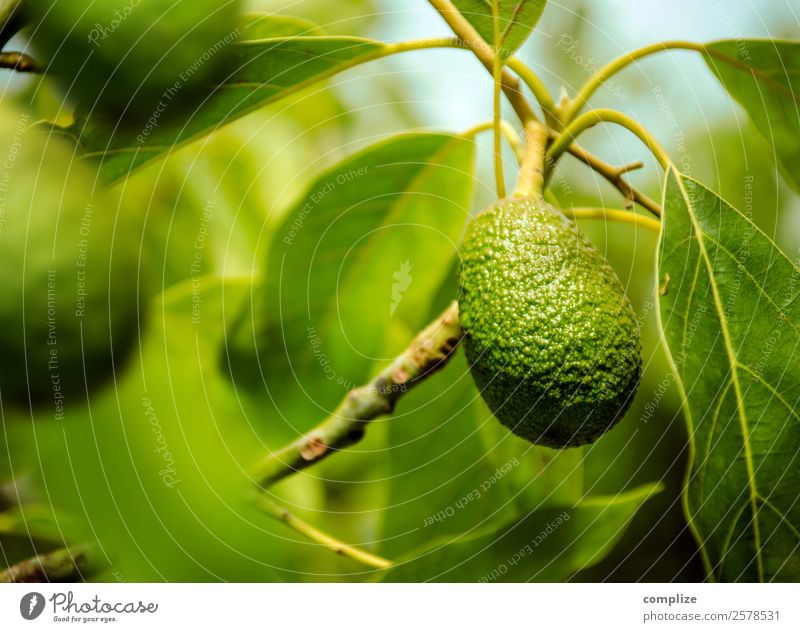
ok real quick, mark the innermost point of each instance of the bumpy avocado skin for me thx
(551, 338)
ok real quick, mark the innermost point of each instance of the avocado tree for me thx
(165, 477)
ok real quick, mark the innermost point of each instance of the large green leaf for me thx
(548, 544)
(517, 19)
(366, 245)
(731, 315)
(764, 76)
(264, 71)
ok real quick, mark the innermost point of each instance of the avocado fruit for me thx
(69, 271)
(550, 336)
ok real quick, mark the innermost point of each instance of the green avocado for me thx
(69, 271)
(133, 58)
(551, 339)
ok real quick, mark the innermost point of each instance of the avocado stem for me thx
(531, 174)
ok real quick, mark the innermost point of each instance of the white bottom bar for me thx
(402, 607)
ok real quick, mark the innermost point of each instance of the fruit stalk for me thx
(428, 352)
(531, 174)
(512, 89)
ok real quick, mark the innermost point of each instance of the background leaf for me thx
(517, 20)
(543, 545)
(257, 25)
(730, 318)
(362, 249)
(263, 72)
(764, 77)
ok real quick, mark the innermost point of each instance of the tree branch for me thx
(62, 565)
(615, 176)
(429, 351)
(20, 62)
(320, 537)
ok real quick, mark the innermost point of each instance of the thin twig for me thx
(320, 537)
(631, 166)
(429, 351)
(613, 175)
(615, 215)
(605, 73)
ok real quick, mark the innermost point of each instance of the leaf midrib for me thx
(734, 367)
(517, 10)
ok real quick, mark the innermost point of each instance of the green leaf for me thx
(256, 26)
(517, 20)
(32, 521)
(265, 71)
(764, 77)
(548, 544)
(366, 245)
(730, 316)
